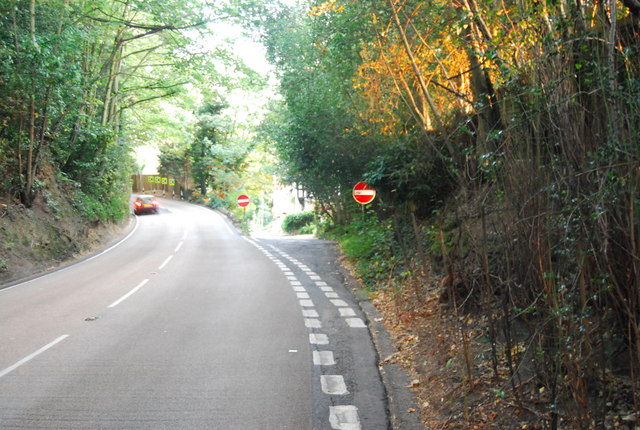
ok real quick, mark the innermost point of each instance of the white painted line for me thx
(344, 417)
(332, 295)
(338, 302)
(117, 244)
(318, 339)
(355, 322)
(126, 296)
(321, 283)
(312, 323)
(310, 313)
(315, 277)
(135, 227)
(288, 273)
(225, 223)
(296, 283)
(333, 385)
(292, 278)
(165, 262)
(306, 303)
(323, 358)
(32, 356)
(347, 312)
(179, 246)
(327, 289)
(303, 295)
(299, 288)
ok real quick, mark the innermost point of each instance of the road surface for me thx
(186, 324)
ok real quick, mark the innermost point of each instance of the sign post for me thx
(243, 200)
(363, 194)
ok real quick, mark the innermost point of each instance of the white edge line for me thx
(165, 262)
(224, 221)
(126, 296)
(135, 227)
(32, 356)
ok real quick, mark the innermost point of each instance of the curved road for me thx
(185, 324)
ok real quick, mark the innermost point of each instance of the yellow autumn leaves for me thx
(326, 7)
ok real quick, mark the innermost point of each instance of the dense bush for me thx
(296, 223)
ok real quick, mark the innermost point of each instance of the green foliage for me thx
(298, 222)
(313, 130)
(69, 78)
(215, 202)
(518, 125)
(406, 173)
(216, 158)
(370, 244)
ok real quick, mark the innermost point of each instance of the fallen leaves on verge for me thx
(429, 344)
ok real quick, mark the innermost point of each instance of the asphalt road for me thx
(186, 324)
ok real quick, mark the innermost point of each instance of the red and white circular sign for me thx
(363, 193)
(243, 201)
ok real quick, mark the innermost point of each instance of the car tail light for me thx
(138, 203)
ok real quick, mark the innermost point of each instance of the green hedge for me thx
(299, 223)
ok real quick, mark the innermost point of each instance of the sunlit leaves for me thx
(326, 7)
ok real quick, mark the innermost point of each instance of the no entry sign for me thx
(243, 201)
(363, 193)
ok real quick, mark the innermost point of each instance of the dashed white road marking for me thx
(32, 356)
(126, 296)
(355, 322)
(333, 385)
(344, 417)
(341, 417)
(323, 358)
(165, 262)
(312, 323)
(318, 339)
(347, 312)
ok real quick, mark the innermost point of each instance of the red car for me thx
(145, 203)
